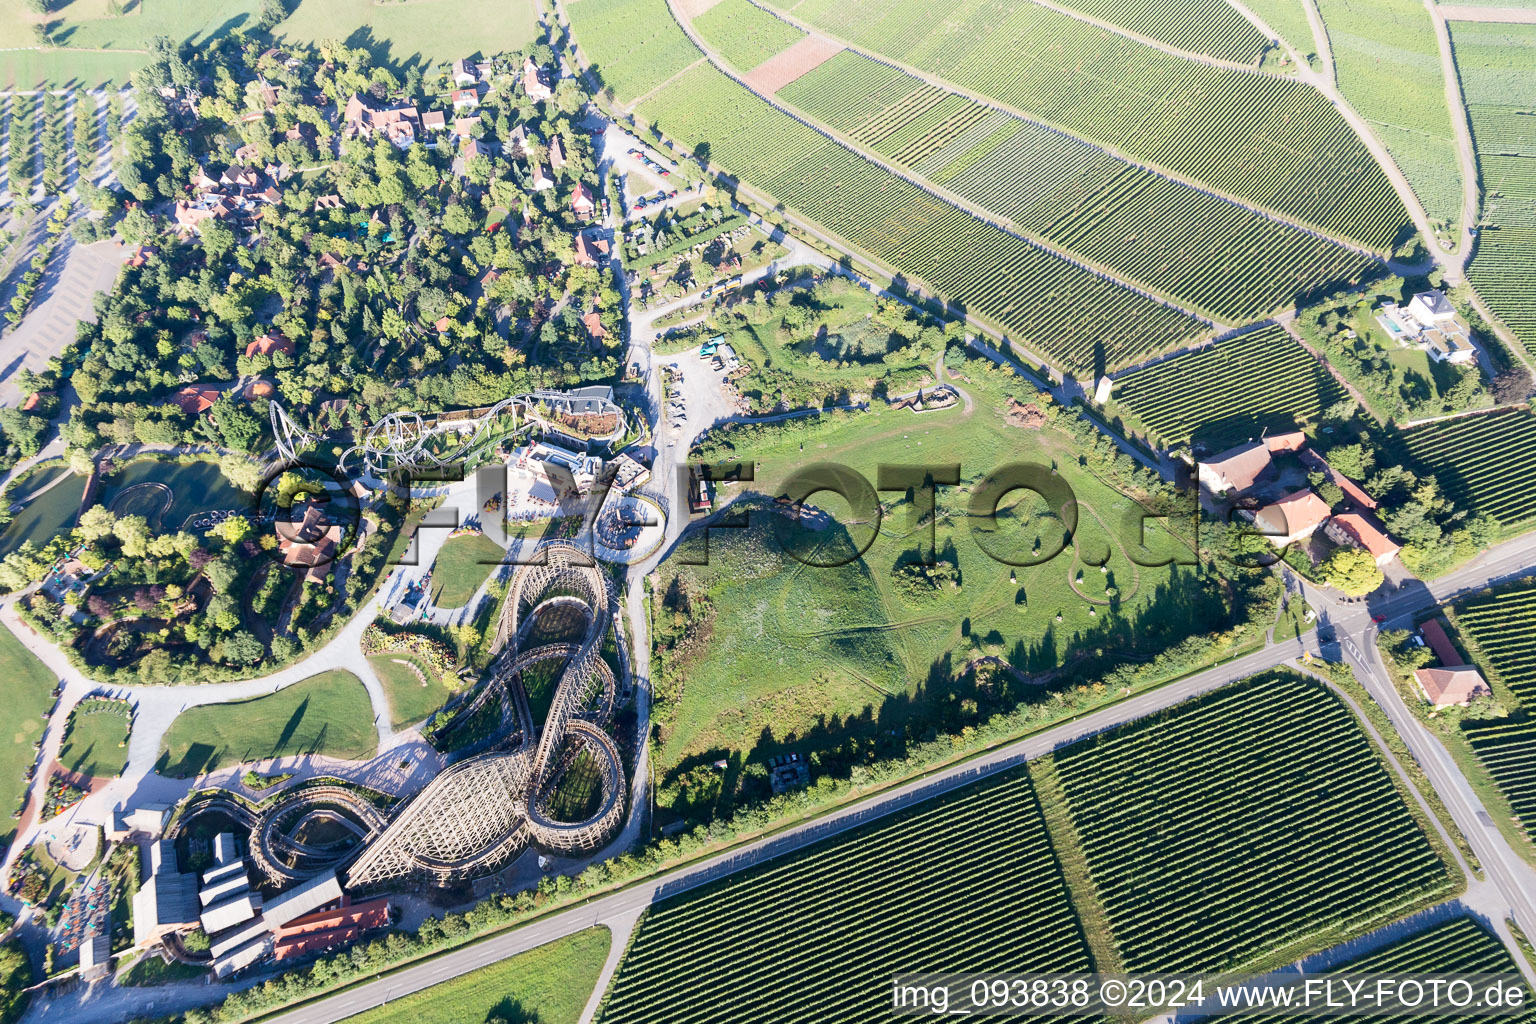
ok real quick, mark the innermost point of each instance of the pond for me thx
(46, 515)
(168, 494)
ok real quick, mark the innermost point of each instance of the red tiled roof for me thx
(194, 401)
(1295, 514)
(1447, 686)
(1440, 643)
(266, 344)
(1367, 536)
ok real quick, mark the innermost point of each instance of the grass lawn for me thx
(784, 656)
(150, 969)
(326, 714)
(413, 32)
(96, 742)
(547, 985)
(462, 565)
(409, 700)
(28, 692)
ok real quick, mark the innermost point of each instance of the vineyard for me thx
(1235, 825)
(1506, 747)
(743, 34)
(1458, 946)
(1503, 626)
(633, 45)
(1166, 236)
(1289, 19)
(1498, 77)
(1263, 138)
(817, 935)
(1388, 66)
(1063, 311)
(1200, 26)
(1486, 464)
(1501, 631)
(1230, 392)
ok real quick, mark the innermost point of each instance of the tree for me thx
(1352, 570)
(133, 533)
(232, 530)
(242, 648)
(96, 523)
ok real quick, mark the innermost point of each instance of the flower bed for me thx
(434, 652)
(60, 796)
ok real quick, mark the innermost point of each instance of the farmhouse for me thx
(1236, 470)
(1294, 517)
(1430, 322)
(1448, 687)
(1354, 530)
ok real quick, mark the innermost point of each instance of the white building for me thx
(1430, 322)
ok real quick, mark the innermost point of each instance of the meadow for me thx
(96, 739)
(549, 984)
(1485, 463)
(1387, 62)
(758, 653)
(28, 693)
(462, 565)
(326, 714)
(819, 933)
(1161, 234)
(1497, 64)
(1230, 392)
(1255, 820)
(1266, 139)
(98, 47)
(409, 700)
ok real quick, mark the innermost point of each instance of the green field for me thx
(1229, 393)
(964, 882)
(1485, 463)
(1165, 236)
(1199, 26)
(1497, 64)
(462, 565)
(546, 985)
(1256, 820)
(1289, 19)
(1387, 62)
(28, 692)
(96, 739)
(1049, 305)
(1459, 946)
(398, 34)
(801, 658)
(632, 45)
(1267, 139)
(326, 714)
(744, 34)
(409, 701)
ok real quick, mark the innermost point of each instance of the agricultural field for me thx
(879, 652)
(1484, 463)
(549, 984)
(1289, 19)
(1209, 27)
(397, 34)
(1165, 236)
(1230, 392)
(1506, 748)
(1240, 827)
(327, 714)
(818, 934)
(1063, 311)
(1266, 139)
(96, 739)
(744, 34)
(1502, 626)
(633, 45)
(28, 694)
(1387, 62)
(1458, 946)
(1497, 64)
